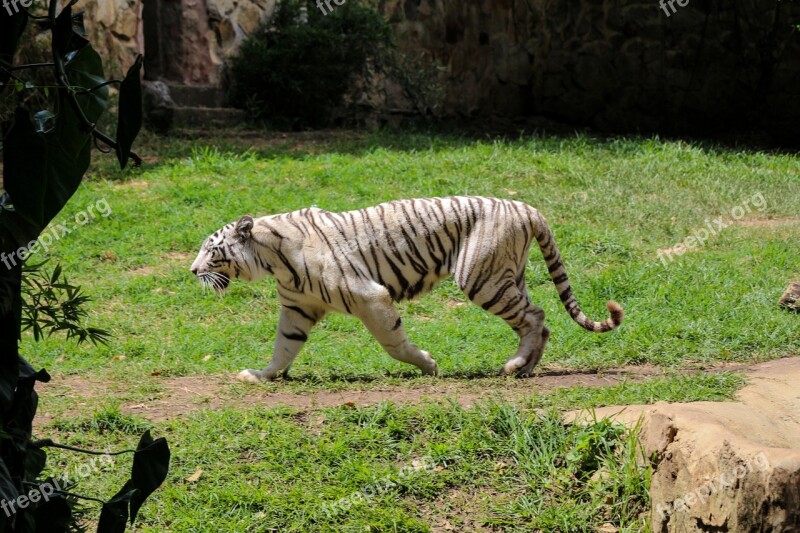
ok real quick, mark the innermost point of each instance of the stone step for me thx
(208, 117)
(197, 96)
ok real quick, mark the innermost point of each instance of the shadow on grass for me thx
(269, 145)
(157, 151)
(463, 375)
(316, 379)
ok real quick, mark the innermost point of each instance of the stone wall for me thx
(233, 20)
(193, 38)
(184, 41)
(115, 30)
(615, 65)
(630, 65)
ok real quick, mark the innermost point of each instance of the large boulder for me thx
(791, 298)
(725, 466)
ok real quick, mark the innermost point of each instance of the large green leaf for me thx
(69, 32)
(35, 461)
(84, 69)
(43, 170)
(26, 401)
(130, 111)
(25, 158)
(10, 314)
(150, 467)
(114, 515)
(53, 516)
(8, 491)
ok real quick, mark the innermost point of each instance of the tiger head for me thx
(227, 254)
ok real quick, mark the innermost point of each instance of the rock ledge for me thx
(729, 466)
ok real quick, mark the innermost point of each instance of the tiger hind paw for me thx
(252, 376)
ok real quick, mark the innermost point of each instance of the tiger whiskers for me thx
(215, 280)
(218, 281)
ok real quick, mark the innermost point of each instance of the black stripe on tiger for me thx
(301, 312)
(297, 336)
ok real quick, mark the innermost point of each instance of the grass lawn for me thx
(613, 204)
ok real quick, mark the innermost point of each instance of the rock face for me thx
(791, 298)
(184, 41)
(616, 66)
(115, 30)
(732, 466)
(188, 41)
(231, 21)
(158, 106)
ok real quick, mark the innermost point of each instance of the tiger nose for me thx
(194, 270)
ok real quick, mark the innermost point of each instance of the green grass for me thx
(107, 419)
(689, 388)
(496, 465)
(612, 204)
(493, 466)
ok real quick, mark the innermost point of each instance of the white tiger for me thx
(360, 262)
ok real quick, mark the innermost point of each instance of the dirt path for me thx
(171, 397)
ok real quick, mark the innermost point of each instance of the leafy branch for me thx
(53, 304)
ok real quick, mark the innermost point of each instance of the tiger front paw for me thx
(430, 368)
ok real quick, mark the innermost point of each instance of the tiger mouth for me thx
(216, 280)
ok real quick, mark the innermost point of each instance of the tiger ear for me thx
(244, 227)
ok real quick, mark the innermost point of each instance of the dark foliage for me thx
(295, 70)
(46, 147)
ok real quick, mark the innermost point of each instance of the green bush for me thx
(296, 69)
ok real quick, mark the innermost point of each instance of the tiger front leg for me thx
(294, 325)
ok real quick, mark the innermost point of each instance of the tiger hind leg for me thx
(536, 354)
(382, 319)
(528, 323)
(509, 300)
